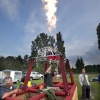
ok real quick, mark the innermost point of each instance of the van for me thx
(16, 75)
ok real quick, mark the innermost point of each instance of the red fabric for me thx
(53, 57)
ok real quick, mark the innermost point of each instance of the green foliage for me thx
(88, 68)
(98, 35)
(73, 70)
(41, 40)
(82, 63)
(98, 68)
(11, 63)
(39, 68)
(33, 49)
(92, 68)
(60, 43)
(79, 64)
(2, 63)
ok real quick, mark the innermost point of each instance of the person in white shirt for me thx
(84, 82)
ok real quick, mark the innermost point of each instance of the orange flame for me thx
(50, 8)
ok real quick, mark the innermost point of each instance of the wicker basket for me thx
(26, 96)
(75, 95)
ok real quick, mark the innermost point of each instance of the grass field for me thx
(95, 85)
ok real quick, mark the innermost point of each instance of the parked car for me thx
(94, 79)
(35, 75)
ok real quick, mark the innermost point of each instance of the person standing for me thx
(48, 76)
(48, 80)
(7, 89)
(84, 82)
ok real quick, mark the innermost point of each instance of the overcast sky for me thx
(22, 20)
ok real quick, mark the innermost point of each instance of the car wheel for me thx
(41, 77)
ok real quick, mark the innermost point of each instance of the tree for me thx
(82, 63)
(14, 63)
(25, 63)
(98, 35)
(10, 62)
(60, 43)
(89, 68)
(79, 64)
(19, 64)
(92, 68)
(98, 67)
(2, 63)
(33, 49)
(41, 40)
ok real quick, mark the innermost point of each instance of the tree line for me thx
(11, 63)
(79, 65)
(42, 40)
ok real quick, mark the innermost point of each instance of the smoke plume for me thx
(50, 8)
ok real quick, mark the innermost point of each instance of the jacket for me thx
(81, 78)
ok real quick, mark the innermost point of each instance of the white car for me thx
(35, 75)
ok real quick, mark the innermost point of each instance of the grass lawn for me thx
(95, 85)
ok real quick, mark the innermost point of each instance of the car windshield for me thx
(32, 73)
